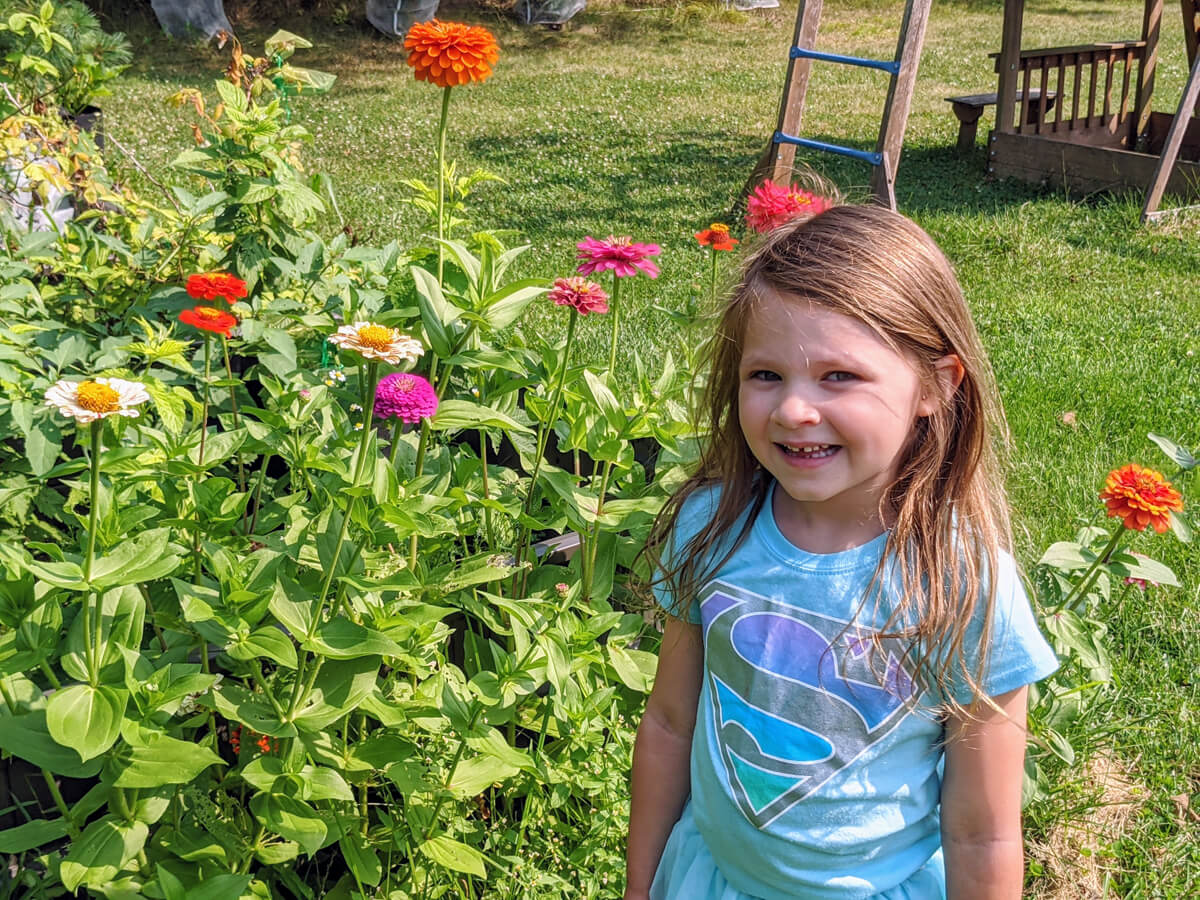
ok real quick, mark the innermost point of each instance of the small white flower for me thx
(377, 342)
(99, 398)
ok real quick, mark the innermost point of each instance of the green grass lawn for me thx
(646, 121)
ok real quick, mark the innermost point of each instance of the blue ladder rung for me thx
(800, 53)
(875, 159)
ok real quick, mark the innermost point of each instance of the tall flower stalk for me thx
(89, 403)
(1142, 499)
(624, 258)
(448, 54)
(717, 239)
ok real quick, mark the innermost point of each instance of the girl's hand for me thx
(981, 801)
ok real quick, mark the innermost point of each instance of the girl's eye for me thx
(763, 375)
(841, 376)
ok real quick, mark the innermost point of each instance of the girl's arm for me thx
(981, 801)
(662, 754)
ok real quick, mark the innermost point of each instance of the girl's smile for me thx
(827, 408)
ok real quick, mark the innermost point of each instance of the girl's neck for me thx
(820, 533)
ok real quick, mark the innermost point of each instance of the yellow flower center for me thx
(719, 228)
(622, 241)
(376, 337)
(97, 397)
(800, 198)
(208, 313)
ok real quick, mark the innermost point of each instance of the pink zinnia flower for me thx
(620, 254)
(585, 296)
(409, 398)
(771, 205)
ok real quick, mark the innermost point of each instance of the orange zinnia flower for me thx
(450, 53)
(716, 236)
(1141, 497)
(211, 285)
(208, 318)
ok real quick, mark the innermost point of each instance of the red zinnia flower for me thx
(211, 285)
(620, 254)
(771, 205)
(1141, 497)
(716, 236)
(450, 53)
(209, 318)
(585, 296)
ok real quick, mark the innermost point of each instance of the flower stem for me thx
(1081, 589)
(92, 652)
(712, 280)
(594, 538)
(543, 437)
(394, 450)
(364, 441)
(615, 310)
(233, 403)
(93, 495)
(441, 181)
(204, 410)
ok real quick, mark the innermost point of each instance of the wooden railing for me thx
(1095, 86)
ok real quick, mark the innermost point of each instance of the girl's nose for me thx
(794, 410)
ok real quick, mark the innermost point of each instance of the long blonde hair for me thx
(947, 506)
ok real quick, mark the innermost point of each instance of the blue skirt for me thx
(687, 872)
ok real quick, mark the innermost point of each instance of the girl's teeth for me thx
(819, 452)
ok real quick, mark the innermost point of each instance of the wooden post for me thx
(781, 158)
(1006, 65)
(1151, 25)
(1170, 151)
(899, 100)
(1191, 27)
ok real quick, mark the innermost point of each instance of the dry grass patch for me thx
(1075, 854)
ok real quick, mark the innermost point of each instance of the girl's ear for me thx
(948, 374)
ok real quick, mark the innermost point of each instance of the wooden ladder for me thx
(779, 160)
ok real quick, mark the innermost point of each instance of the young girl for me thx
(840, 703)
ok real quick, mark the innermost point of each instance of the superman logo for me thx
(796, 696)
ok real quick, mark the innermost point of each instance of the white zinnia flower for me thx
(99, 398)
(377, 342)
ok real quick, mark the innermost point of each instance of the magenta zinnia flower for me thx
(620, 254)
(772, 205)
(586, 296)
(409, 398)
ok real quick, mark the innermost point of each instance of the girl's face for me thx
(827, 408)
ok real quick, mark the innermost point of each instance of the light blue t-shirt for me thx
(812, 773)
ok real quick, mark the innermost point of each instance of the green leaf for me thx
(27, 737)
(1179, 454)
(237, 703)
(447, 852)
(633, 673)
(266, 643)
(605, 400)
(86, 717)
(507, 304)
(473, 776)
(101, 851)
(436, 312)
(42, 446)
(342, 685)
(459, 414)
(342, 638)
(1179, 525)
(293, 819)
(1126, 565)
(1065, 555)
(1060, 746)
(151, 759)
(32, 834)
(361, 858)
(140, 559)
